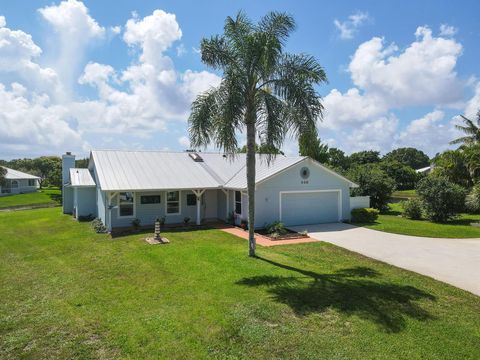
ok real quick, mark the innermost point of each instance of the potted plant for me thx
(186, 220)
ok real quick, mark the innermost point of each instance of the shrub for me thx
(372, 182)
(136, 223)
(364, 215)
(442, 199)
(244, 224)
(98, 226)
(472, 202)
(277, 228)
(412, 209)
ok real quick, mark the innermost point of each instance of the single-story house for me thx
(17, 182)
(119, 186)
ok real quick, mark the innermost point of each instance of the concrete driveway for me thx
(454, 261)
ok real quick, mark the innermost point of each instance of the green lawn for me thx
(394, 223)
(50, 196)
(404, 194)
(70, 293)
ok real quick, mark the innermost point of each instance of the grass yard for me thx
(392, 222)
(405, 194)
(70, 293)
(51, 196)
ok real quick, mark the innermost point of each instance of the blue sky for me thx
(120, 74)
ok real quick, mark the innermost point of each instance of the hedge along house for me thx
(120, 186)
(17, 182)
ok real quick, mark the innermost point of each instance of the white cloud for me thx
(386, 79)
(18, 53)
(184, 141)
(422, 74)
(430, 132)
(350, 108)
(350, 27)
(34, 125)
(181, 50)
(75, 31)
(153, 34)
(133, 103)
(473, 105)
(157, 93)
(448, 30)
(116, 29)
(3, 22)
(376, 135)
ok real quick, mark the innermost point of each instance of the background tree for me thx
(442, 199)
(409, 156)
(262, 149)
(338, 160)
(364, 157)
(404, 176)
(263, 90)
(82, 163)
(373, 182)
(312, 146)
(451, 164)
(470, 129)
(49, 169)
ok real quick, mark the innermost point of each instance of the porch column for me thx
(198, 194)
(227, 205)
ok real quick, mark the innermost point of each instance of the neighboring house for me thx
(119, 186)
(17, 182)
(424, 170)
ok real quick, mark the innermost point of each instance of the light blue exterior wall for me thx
(84, 201)
(267, 201)
(22, 187)
(67, 199)
(147, 213)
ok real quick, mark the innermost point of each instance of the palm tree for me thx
(264, 91)
(471, 130)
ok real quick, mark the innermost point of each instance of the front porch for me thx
(194, 206)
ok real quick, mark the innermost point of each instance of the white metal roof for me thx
(81, 177)
(263, 169)
(158, 170)
(150, 170)
(18, 175)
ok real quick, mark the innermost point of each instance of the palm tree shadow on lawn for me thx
(351, 291)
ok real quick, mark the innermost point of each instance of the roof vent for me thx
(195, 157)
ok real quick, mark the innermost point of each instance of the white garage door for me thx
(303, 208)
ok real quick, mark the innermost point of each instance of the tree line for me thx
(47, 168)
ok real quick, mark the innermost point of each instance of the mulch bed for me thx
(290, 235)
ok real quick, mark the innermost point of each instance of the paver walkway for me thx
(454, 261)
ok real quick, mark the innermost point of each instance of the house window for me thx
(191, 199)
(14, 184)
(150, 199)
(126, 204)
(31, 182)
(173, 202)
(238, 202)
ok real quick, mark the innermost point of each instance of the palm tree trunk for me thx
(251, 182)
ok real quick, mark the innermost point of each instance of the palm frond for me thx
(271, 122)
(277, 24)
(200, 121)
(216, 52)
